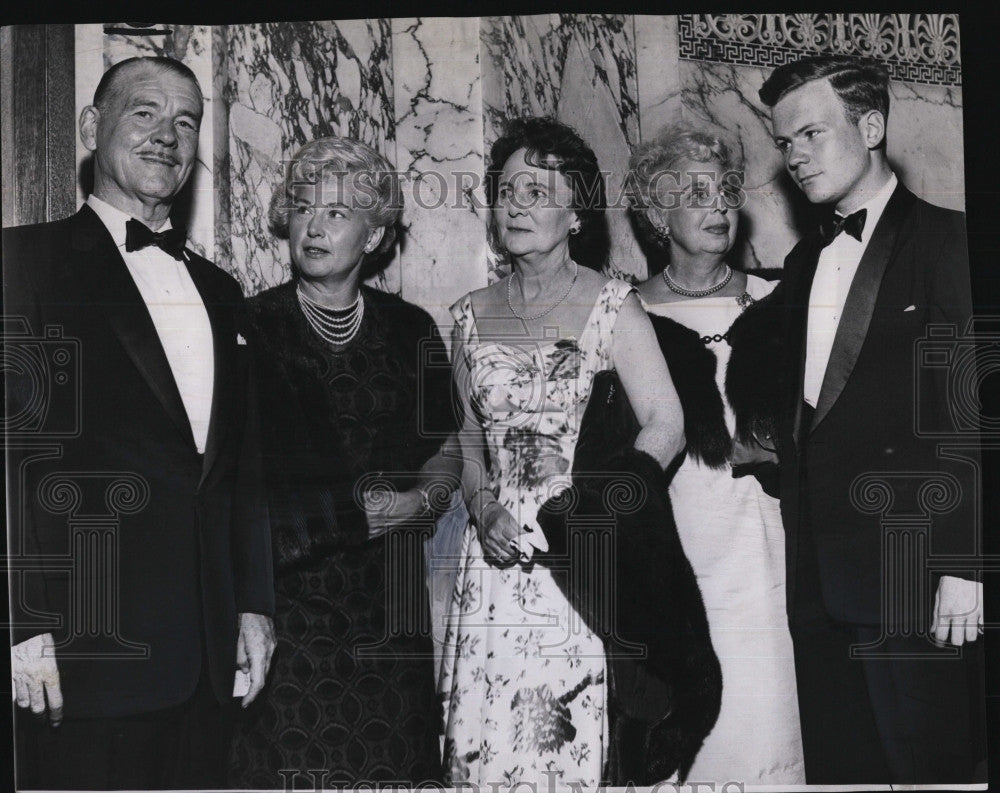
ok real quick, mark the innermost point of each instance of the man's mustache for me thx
(158, 155)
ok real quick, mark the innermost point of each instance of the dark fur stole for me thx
(665, 681)
(755, 377)
(692, 368)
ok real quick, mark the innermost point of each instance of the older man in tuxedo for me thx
(140, 549)
(880, 588)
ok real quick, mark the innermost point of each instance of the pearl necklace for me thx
(680, 290)
(337, 327)
(510, 304)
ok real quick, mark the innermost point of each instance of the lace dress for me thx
(523, 678)
(732, 534)
(351, 692)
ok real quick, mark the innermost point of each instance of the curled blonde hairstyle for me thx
(664, 152)
(370, 171)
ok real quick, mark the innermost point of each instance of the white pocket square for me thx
(910, 308)
(240, 340)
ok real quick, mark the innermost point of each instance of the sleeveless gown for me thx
(523, 678)
(732, 534)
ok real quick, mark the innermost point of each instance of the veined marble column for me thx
(925, 137)
(658, 76)
(439, 145)
(582, 70)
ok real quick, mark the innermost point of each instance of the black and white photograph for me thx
(465, 398)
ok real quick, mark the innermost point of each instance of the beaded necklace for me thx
(335, 326)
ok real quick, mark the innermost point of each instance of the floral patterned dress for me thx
(523, 678)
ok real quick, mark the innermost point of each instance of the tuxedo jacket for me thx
(135, 551)
(869, 456)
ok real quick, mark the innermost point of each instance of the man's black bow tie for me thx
(138, 236)
(853, 225)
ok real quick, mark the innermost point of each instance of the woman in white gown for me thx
(688, 194)
(523, 680)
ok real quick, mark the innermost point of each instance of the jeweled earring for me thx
(662, 233)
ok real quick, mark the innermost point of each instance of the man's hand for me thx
(958, 610)
(36, 676)
(253, 651)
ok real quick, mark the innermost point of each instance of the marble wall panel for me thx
(658, 78)
(925, 136)
(283, 85)
(99, 47)
(439, 145)
(582, 70)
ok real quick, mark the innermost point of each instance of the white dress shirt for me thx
(838, 263)
(179, 315)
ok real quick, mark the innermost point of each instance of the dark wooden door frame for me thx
(38, 109)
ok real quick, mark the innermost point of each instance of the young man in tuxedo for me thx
(140, 549)
(888, 664)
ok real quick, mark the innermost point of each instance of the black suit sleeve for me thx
(24, 397)
(945, 389)
(251, 533)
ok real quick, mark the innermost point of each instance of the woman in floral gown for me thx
(523, 678)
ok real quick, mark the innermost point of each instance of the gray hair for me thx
(664, 152)
(111, 83)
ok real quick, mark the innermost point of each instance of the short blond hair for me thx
(342, 156)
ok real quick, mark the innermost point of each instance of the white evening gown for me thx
(732, 534)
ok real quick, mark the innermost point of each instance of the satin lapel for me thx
(860, 303)
(798, 323)
(223, 345)
(115, 294)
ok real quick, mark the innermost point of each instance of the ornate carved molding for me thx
(917, 48)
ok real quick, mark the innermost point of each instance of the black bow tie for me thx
(853, 225)
(138, 236)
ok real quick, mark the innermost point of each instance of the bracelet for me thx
(477, 491)
(477, 518)
(425, 502)
(472, 498)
